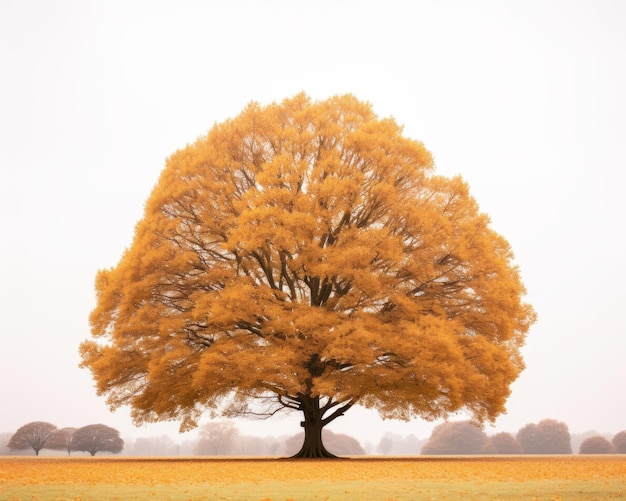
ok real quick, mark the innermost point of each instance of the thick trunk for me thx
(313, 447)
(314, 419)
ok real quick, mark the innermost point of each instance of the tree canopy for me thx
(34, 435)
(504, 443)
(96, 438)
(304, 255)
(62, 440)
(619, 442)
(596, 445)
(549, 436)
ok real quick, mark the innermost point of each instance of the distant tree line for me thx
(548, 436)
(220, 438)
(93, 438)
(223, 438)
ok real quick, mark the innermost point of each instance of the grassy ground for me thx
(193, 479)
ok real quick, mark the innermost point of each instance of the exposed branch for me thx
(284, 274)
(338, 412)
(254, 329)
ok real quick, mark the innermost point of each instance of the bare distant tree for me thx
(217, 439)
(530, 439)
(33, 436)
(61, 440)
(619, 442)
(97, 438)
(596, 445)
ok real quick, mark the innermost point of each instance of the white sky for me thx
(525, 99)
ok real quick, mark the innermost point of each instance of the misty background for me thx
(525, 100)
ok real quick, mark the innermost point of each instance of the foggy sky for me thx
(525, 99)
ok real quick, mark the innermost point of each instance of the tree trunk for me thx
(313, 423)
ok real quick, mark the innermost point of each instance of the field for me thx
(414, 478)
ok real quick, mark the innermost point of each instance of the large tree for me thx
(34, 435)
(305, 256)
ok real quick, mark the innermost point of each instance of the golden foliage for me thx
(307, 250)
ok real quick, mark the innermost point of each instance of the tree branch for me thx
(338, 412)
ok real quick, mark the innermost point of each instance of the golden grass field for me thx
(374, 478)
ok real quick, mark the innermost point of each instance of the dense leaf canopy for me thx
(619, 442)
(306, 251)
(596, 445)
(548, 436)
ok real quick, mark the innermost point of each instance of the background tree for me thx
(217, 439)
(460, 437)
(96, 438)
(162, 445)
(394, 443)
(385, 445)
(61, 440)
(505, 443)
(576, 439)
(549, 436)
(410, 444)
(33, 436)
(596, 445)
(250, 445)
(556, 436)
(305, 256)
(530, 439)
(619, 442)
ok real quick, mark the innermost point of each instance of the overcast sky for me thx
(525, 99)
